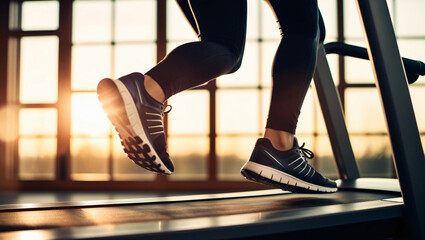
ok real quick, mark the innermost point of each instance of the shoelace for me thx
(307, 152)
(169, 110)
(160, 123)
(164, 109)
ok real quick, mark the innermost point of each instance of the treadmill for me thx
(362, 208)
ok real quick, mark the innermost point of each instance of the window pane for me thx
(90, 64)
(269, 27)
(37, 158)
(92, 21)
(409, 14)
(352, 26)
(253, 20)
(232, 153)
(190, 156)
(89, 159)
(414, 49)
(268, 50)
(306, 120)
(248, 74)
(39, 70)
(190, 114)
(324, 161)
(38, 122)
(124, 168)
(358, 70)
(364, 112)
(329, 12)
(40, 15)
(87, 117)
(238, 111)
(177, 26)
(418, 98)
(373, 154)
(320, 120)
(130, 24)
(134, 58)
(265, 106)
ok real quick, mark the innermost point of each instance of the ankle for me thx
(281, 140)
(153, 89)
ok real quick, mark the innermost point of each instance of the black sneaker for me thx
(288, 170)
(138, 119)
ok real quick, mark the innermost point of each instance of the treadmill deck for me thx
(236, 215)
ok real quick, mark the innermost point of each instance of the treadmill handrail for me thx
(414, 68)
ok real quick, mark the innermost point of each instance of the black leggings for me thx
(221, 28)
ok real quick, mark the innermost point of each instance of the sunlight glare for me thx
(33, 235)
(88, 119)
(6, 119)
(38, 121)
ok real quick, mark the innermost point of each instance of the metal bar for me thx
(342, 85)
(334, 119)
(64, 91)
(4, 38)
(112, 50)
(392, 85)
(212, 160)
(13, 91)
(360, 85)
(161, 52)
(20, 33)
(37, 105)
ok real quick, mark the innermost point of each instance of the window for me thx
(35, 99)
(110, 39)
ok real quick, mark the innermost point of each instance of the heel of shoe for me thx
(112, 102)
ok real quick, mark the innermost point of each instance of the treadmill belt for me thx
(86, 216)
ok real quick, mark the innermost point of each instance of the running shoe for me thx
(288, 170)
(138, 119)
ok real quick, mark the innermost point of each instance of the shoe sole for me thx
(275, 178)
(121, 110)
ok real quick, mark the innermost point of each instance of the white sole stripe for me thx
(267, 172)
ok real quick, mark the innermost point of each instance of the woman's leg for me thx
(221, 28)
(277, 159)
(302, 28)
(134, 103)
